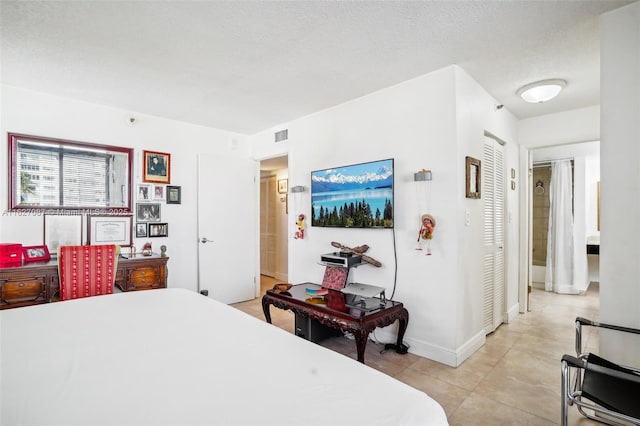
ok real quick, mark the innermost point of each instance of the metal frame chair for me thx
(592, 383)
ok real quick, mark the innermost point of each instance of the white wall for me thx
(45, 115)
(477, 114)
(431, 122)
(579, 125)
(620, 187)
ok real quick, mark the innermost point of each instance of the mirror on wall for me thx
(46, 173)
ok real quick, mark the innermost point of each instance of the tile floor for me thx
(513, 379)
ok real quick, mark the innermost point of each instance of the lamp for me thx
(422, 175)
(541, 91)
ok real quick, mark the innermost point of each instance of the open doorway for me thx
(274, 203)
(585, 173)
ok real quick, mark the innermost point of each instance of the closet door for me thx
(268, 226)
(493, 195)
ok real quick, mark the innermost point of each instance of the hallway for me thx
(513, 379)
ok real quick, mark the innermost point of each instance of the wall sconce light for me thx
(299, 188)
(422, 175)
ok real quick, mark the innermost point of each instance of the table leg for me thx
(403, 321)
(265, 309)
(361, 343)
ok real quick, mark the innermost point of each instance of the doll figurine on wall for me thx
(426, 232)
(300, 224)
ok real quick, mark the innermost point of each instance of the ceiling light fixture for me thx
(541, 91)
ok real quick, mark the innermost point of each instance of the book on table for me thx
(316, 292)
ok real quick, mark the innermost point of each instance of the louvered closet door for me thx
(493, 194)
(267, 226)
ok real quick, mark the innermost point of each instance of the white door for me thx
(227, 218)
(268, 227)
(493, 195)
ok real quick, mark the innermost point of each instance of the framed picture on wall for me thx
(158, 230)
(148, 212)
(156, 167)
(158, 193)
(143, 192)
(472, 171)
(62, 230)
(283, 186)
(174, 194)
(109, 230)
(141, 230)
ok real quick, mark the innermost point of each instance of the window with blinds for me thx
(69, 176)
(56, 176)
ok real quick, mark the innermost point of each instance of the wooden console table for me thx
(336, 314)
(38, 282)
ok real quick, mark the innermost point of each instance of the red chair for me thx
(87, 270)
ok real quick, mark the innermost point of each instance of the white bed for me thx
(175, 357)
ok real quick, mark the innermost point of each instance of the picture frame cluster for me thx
(150, 195)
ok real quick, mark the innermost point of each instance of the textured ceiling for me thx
(246, 66)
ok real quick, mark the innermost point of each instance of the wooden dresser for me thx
(38, 282)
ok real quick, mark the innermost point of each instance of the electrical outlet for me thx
(467, 218)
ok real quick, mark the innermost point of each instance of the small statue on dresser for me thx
(146, 249)
(163, 250)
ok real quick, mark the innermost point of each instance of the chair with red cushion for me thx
(87, 270)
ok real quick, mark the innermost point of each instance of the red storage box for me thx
(10, 255)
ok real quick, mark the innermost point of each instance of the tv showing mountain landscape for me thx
(354, 196)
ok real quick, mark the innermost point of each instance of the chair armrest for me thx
(580, 321)
(584, 321)
(572, 361)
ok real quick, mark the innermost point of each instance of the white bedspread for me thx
(175, 357)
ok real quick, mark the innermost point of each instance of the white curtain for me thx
(559, 271)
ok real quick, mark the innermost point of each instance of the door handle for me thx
(205, 240)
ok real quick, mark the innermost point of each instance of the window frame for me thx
(14, 174)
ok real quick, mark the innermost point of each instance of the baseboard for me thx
(471, 346)
(452, 358)
(513, 312)
(281, 277)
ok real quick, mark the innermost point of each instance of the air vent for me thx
(282, 135)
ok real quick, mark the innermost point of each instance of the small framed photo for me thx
(156, 167)
(35, 253)
(144, 192)
(110, 230)
(174, 194)
(158, 230)
(472, 173)
(141, 230)
(283, 186)
(62, 230)
(158, 193)
(148, 212)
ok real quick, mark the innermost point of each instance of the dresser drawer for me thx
(27, 290)
(146, 277)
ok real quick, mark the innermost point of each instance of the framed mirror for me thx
(46, 174)
(472, 167)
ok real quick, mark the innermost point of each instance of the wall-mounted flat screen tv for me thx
(355, 196)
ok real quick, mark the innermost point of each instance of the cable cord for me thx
(395, 266)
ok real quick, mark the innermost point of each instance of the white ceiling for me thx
(247, 66)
